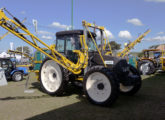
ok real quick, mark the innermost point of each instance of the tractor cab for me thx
(67, 41)
(152, 53)
(7, 65)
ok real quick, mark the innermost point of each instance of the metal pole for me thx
(102, 39)
(35, 23)
(72, 15)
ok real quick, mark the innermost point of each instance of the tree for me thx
(153, 46)
(114, 46)
(26, 49)
(140, 54)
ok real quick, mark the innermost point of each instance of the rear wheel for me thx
(17, 76)
(52, 78)
(100, 86)
(146, 67)
(132, 89)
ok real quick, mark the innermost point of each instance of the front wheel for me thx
(100, 86)
(146, 67)
(52, 78)
(17, 76)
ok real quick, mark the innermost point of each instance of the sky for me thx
(124, 20)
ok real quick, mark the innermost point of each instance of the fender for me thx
(13, 72)
(24, 70)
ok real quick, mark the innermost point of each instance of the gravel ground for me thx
(147, 104)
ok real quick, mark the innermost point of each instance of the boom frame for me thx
(131, 45)
(13, 26)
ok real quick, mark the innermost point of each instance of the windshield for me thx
(71, 42)
(157, 54)
(91, 45)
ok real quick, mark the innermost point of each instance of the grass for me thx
(147, 104)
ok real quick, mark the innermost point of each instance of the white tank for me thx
(3, 80)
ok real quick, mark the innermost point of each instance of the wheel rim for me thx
(18, 77)
(98, 87)
(124, 88)
(144, 68)
(51, 76)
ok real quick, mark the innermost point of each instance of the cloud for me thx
(135, 21)
(45, 33)
(59, 25)
(108, 33)
(158, 1)
(47, 37)
(160, 33)
(125, 34)
(157, 38)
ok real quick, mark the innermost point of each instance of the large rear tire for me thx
(132, 89)
(100, 86)
(146, 67)
(52, 78)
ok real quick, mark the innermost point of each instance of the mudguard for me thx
(23, 69)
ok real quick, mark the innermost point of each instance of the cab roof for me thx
(73, 32)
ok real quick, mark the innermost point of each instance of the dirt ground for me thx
(147, 104)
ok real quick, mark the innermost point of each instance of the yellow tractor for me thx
(77, 57)
(152, 60)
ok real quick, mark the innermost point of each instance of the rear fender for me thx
(13, 72)
(16, 71)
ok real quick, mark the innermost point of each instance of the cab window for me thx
(6, 64)
(60, 44)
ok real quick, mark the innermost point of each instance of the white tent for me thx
(4, 55)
